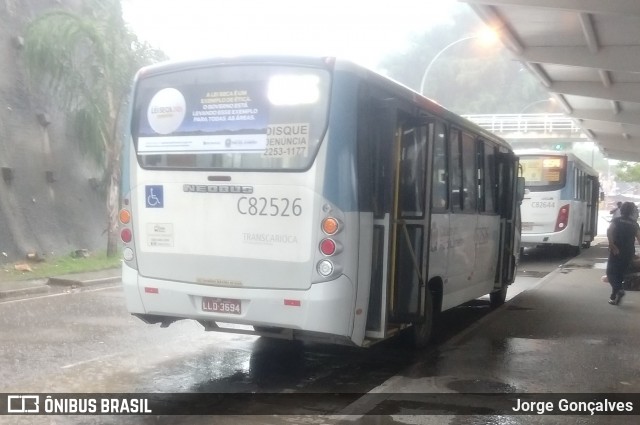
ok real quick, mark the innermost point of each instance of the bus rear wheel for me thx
(497, 298)
(422, 332)
(575, 250)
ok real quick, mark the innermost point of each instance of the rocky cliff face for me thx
(49, 202)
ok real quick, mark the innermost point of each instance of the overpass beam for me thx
(619, 7)
(611, 58)
(625, 92)
(625, 117)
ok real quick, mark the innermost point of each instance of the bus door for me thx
(377, 134)
(593, 198)
(393, 178)
(509, 217)
(410, 223)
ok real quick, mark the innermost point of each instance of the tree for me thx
(628, 172)
(469, 78)
(86, 61)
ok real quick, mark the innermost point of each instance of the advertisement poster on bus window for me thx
(221, 118)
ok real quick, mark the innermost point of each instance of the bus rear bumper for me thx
(536, 239)
(324, 307)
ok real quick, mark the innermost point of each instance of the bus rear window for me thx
(246, 117)
(544, 172)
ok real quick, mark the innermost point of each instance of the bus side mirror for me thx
(520, 189)
(601, 196)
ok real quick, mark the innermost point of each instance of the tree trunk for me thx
(113, 149)
(113, 201)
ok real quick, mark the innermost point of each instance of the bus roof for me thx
(332, 63)
(418, 99)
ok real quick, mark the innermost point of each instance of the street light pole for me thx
(426, 71)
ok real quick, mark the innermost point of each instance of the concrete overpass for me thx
(586, 53)
(546, 131)
(530, 126)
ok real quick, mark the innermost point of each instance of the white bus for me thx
(560, 205)
(310, 199)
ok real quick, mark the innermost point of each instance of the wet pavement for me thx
(560, 337)
(10, 290)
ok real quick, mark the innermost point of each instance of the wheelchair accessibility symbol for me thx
(154, 196)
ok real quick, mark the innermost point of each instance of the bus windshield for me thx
(544, 172)
(230, 117)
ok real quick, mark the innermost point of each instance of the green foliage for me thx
(468, 77)
(58, 266)
(628, 172)
(85, 62)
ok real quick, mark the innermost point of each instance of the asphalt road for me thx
(86, 342)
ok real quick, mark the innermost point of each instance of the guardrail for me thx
(526, 123)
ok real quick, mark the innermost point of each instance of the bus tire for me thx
(422, 332)
(497, 298)
(577, 249)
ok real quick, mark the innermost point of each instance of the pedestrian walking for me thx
(622, 234)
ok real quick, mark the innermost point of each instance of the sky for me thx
(364, 31)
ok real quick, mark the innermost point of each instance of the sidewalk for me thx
(558, 338)
(26, 288)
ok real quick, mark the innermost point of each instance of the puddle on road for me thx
(600, 265)
(480, 386)
(533, 273)
(517, 308)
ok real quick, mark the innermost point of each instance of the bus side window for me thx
(490, 173)
(440, 177)
(481, 173)
(469, 174)
(455, 171)
(375, 130)
(413, 171)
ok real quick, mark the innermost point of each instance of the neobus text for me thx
(214, 188)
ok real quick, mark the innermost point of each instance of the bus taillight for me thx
(330, 225)
(563, 218)
(330, 244)
(325, 268)
(124, 216)
(328, 247)
(126, 235)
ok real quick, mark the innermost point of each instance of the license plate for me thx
(221, 305)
